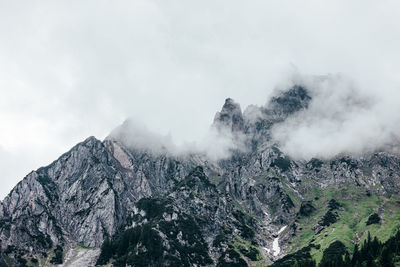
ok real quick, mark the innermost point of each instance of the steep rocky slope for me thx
(152, 207)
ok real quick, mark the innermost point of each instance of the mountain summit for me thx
(113, 203)
(230, 116)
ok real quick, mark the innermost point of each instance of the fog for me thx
(72, 69)
(343, 117)
(216, 144)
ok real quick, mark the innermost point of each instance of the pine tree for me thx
(356, 255)
(386, 258)
(347, 260)
(375, 247)
(106, 252)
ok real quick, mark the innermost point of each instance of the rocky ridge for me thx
(195, 211)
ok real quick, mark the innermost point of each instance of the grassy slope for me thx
(351, 226)
(357, 207)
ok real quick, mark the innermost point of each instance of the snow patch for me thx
(275, 243)
(282, 229)
(275, 247)
(267, 249)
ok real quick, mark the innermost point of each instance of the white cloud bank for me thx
(215, 145)
(81, 68)
(343, 117)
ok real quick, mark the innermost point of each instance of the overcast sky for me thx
(72, 69)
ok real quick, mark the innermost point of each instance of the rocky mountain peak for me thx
(289, 102)
(158, 209)
(230, 117)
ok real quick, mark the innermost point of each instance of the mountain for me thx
(124, 203)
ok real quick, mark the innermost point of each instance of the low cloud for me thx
(216, 144)
(343, 117)
(72, 69)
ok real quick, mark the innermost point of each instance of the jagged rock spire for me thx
(230, 117)
(290, 101)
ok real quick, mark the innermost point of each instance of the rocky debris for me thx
(79, 256)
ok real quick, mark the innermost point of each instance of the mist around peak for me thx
(343, 117)
(217, 144)
(314, 117)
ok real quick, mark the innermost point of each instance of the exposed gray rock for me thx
(230, 117)
(91, 192)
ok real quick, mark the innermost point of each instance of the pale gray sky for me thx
(71, 69)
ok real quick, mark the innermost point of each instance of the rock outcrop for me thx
(99, 190)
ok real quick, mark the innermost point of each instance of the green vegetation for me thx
(154, 207)
(306, 209)
(372, 253)
(79, 245)
(243, 222)
(315, 164)
(373, 219)
(345, 220)
(246, 249)
(215, 178)
(335, 251)
(329, 218)
(158, 242)
(281, 163)
(58, 255)
(192, 179)
(302, 257)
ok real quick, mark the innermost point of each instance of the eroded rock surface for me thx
(92, 193)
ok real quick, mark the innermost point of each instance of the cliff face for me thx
(242, 209)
